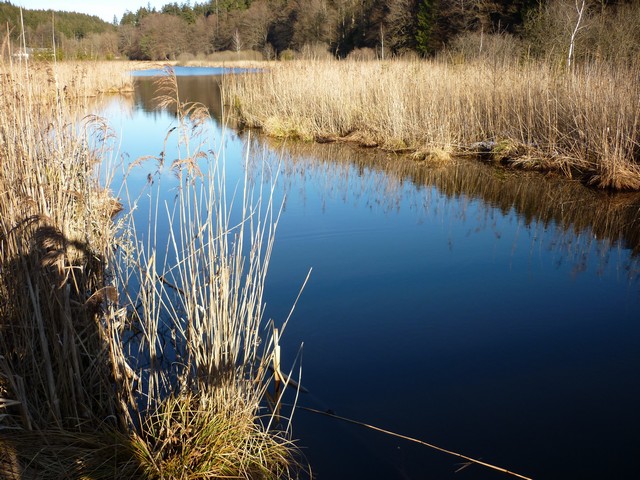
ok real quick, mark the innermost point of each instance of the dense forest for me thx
(76, 35)
(340, 28)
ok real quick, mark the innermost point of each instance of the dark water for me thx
(490, 312)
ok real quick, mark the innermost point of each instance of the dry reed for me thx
(89, 387)
(55, 233)
(584, 123)
(200, 356)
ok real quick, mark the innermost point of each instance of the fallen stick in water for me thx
(415, 440)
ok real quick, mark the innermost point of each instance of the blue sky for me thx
(104, 9)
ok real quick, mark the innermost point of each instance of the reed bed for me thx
(105, 370)
(55, 233)
(87, 79)
(584, 123)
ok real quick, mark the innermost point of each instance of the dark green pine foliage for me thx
(426, 27)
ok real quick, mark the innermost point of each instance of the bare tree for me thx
(162, 37)
(128, 40)
(556, 28)
(580, 5)
(315, 23)
(400, 25)
(202, 35)
(254, 24)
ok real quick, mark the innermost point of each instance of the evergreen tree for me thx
(426, 27)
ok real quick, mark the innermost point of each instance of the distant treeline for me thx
(76, 35)
(341, 28)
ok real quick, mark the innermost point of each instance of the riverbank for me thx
(56, 232)
(583, 123)
(108, 354)
(540, 199)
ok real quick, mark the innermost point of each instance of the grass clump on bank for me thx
(106, 371)
(202, 349)
(583, 122)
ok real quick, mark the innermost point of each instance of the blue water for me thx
(190, 71)
(506, 331)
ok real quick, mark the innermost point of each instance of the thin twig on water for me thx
(415, 440)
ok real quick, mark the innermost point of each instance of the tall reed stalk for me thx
(57, 407)
(201, 357)
(584, 123)
(110, 372)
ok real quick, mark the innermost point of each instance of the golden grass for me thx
(56, 392)
(584, 123)
(202, 353)
(194, 436)
(55, 228)
(94, 77)
(81, 393)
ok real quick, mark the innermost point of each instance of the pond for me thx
(490, 312)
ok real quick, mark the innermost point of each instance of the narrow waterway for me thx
(490, 312)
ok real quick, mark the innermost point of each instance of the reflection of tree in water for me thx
(204, 89)
(565, 217)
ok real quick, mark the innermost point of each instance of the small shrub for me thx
(362, 54)
(185, 57)
(233, 56)
(315, 51)
(502, 48)
(287, 55)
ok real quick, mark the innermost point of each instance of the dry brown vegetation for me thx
(86, 389)
(55, 234)
(584, 123)
(87, 79)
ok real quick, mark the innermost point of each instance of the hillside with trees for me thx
(341, 28)
(76, 35)
(388, 27)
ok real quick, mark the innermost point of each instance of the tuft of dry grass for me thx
(584, 123)
(57, 408)
(197, 436)
(202, 354)
(107, 372)
(435, 156)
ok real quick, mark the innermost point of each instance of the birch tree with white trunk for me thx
(580, 7)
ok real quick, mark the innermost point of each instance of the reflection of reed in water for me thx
(575, 219)
(583, 124)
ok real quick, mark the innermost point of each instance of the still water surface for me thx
(491, 313)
